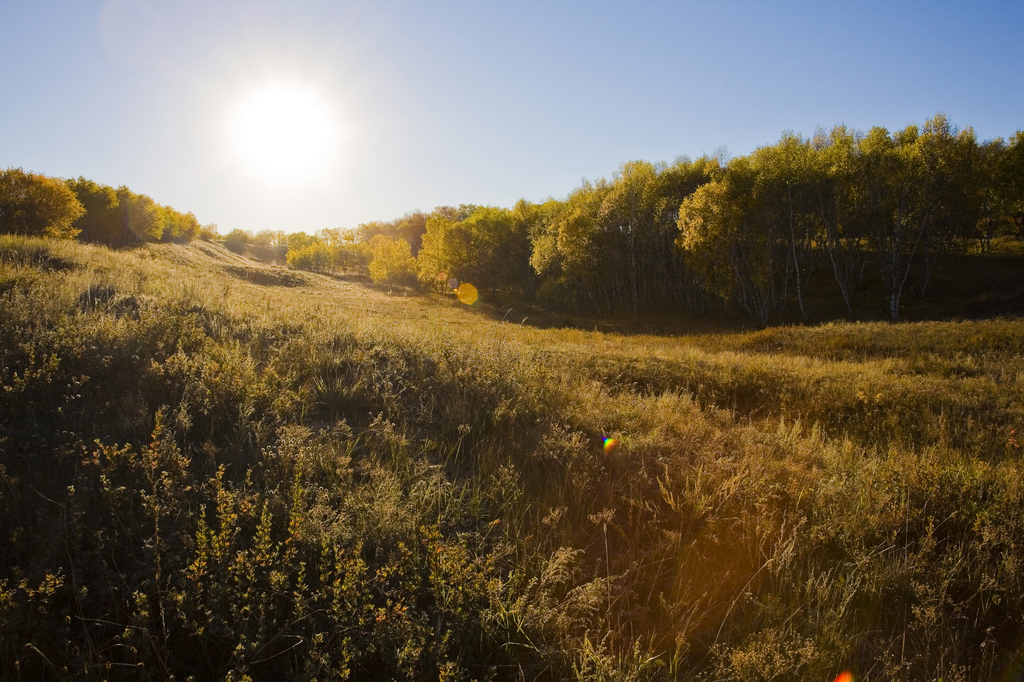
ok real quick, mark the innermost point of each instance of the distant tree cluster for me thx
(846, 201)
(610, 246)
(409, 227)
(487, 246)
(391, 261)
(34, 204)
(756, 233)
(384, 250)
(333, 251)
(120, 216)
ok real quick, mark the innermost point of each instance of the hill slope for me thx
(215, 468)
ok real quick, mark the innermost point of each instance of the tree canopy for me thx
(34, 204)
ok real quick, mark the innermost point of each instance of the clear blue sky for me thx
(476, 101)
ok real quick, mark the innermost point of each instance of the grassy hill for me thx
(213, 468)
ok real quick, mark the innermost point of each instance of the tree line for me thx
(844, 201)
(384, 250)
(763, 233)
(36, 204)
(760, 233)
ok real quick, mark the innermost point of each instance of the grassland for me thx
(212, 469)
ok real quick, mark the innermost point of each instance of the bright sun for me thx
(284, 133)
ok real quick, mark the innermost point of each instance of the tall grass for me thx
(212, 470)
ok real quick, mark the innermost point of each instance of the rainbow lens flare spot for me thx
(467, 293)
(610, 443)
(845, 676)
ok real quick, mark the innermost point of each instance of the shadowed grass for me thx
(214, 476)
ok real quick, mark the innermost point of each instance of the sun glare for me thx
(284, 133)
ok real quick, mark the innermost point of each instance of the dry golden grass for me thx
(216, 468)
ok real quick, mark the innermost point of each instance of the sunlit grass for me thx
(300, 476)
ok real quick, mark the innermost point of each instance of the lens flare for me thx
(467, 293)
(845, 676)
(610, 443)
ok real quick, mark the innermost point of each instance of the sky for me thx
(310, 114)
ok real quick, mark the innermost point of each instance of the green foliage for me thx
(237, 239)
(270, 238)
(119, 217)
(734, 251)
(298, 240)
(336, 252)
(208, 232)
(142, 218)
(486, 246)
(392, 261)
(900, 199)
(180, 227)
(102, 220)
(1009, 183)
(409, 227)
(566, 250)
(33, 204)
(611, 245)
(314, 257)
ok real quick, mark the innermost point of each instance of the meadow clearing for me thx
(216, 469)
